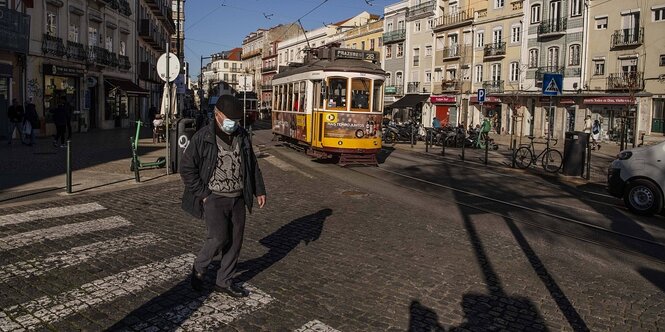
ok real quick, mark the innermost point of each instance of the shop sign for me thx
(488, 99)
(391, 89)
(358, 55)
(442, 99)
(62, 71)
(561, 101)
(609, 100)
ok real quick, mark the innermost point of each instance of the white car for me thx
(638, 176)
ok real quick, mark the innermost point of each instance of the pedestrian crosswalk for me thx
(111, 236)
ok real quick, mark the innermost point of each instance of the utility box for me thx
(180, 136)
(574, 153)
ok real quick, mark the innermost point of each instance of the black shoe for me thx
(233, 290)
(196, 280)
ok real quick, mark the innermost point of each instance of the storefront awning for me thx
(409, 101)
(127, 86)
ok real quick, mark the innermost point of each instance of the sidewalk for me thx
(100, 161)
(502, 158)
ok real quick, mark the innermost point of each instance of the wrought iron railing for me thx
(423, 9)
(99, 55)
(267, 69)
(550, 69)
(495, 86)
(630, 81)
(124, 63)
(394, 90)
(413, 87)
(458, 17)
(495, 49)
(628, 37)
(76, 51)
(14, 30)
(554, 26)
(53, 45)
(451, 51)
(394, 36)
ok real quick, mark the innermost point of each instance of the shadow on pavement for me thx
(384, 154)
(423, 319)
(282, 241)
(657, 278)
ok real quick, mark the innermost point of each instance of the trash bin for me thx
(179, 138)
(574, 153)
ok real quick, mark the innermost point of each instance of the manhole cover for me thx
(354, 193)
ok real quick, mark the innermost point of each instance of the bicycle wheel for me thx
(523, 157)
(552, 161)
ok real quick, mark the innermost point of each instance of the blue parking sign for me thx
(481, 95)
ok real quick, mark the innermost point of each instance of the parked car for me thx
(638, 176)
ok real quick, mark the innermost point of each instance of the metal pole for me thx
(588, 158)
(244, 103)
(549, 123)
(443, 145)
(427, 134)
(69, 167)
(463, 144)
(168, 109)
(514, 150)
(487, 144)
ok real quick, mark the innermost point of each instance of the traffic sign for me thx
(552, 84)
(481, 95)
(174, 67)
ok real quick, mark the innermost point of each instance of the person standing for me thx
(32, 118)
(221, 177)
(60, 120)
(15, 114)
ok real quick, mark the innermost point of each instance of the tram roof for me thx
(332, 63)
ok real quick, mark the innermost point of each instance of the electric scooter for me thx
(136, 164)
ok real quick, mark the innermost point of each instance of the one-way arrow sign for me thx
(552, 84)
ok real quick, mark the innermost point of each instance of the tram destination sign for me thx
(354, 54)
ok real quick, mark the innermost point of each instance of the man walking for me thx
(221, 178)
(60, 119)
(15, 114)
(32, 118)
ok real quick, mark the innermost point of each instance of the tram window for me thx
(303, 97)
(377, 97)
(275, 92)
(317, 95)
(337, 93)
(289, 97)
(360, 94)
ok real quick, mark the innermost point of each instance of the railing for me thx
(125, 8)
(99, 55)
(493, 86)
(413, 87)
(124, 63)
(53, 45)
(518, 4)
(394, 90)
(495, 49)
(451, 85)
(266, 86)
(76, 51)
(14, 30)
(420, 10)
(251, 53)
(626, 81)
(459, 17)
(268, 69)
(551, 69)
(147, 72)
(113, 4)
(236, 70)
(628, 37)
(451, 51)
(394, 36)
(551, 27)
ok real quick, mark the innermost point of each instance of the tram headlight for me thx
(360, 133)
(340, 142)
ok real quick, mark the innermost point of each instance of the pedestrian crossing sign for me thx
(552, 84)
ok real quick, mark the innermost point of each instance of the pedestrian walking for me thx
(31, 119)
(221, 177)
(60, 119)
(15, 114)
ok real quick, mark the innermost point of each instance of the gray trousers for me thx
(225, 220)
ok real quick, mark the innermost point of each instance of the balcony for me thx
(99, 56)
(124, 63)
(495, 86)
(419, 11)
(413, 87)
(53, 45)
(113, 4)
(451, 85)
(163, 12)
(628, 81)
(236, 70)
(268, 69)
(394, 90)
(251, 54)
(456, 19)
(394, 36)
(451, 52)
(551, 69)
(552, 28)
(517, 4)
(14, 30)
(147, 72)
(76, 51)
(627, 37)
(495, 50)
(125, 8)
(266, 87)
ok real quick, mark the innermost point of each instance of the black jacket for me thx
(15, 113)
(198, 164)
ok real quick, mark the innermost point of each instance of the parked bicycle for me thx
(551, 158)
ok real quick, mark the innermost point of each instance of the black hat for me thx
(229, 106)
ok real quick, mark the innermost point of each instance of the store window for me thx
(58, 89)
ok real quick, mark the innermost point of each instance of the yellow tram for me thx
(332, 104)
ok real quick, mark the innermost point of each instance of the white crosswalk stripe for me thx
(55, 212)
(59, 232)
(51, 309)
(316, 326)
(74, 256)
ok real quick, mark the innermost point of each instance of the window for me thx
(377, 96)
(416, 26)
(451, 74)
(93, 36)
(362, 45)
(496, 72)
(354, 46)
(226, 65)
(515, 34)
(359, 94)
(533, 58)
(662, 60)
(574, 53)
(337, 92)
(416, 57)
(428, 76)
(430, 24)
(400, 25)
(439, 43)
(658, 14)
(399, 79)
(400, 50)
(514, 71)
(389, 27)
(74, 28)
(478, 74)
(389, 51)
(499, 3)
(52, 20)
(428, 50)
(480, 39)
(371, 44)
(599, 67)
(123, 47)
(553, 56)
(497, 36)
(535, 14)
(601, 23)
(575, 7)
(108, 41)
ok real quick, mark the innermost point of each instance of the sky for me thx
(212, 26)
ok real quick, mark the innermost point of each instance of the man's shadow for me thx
(281, 242)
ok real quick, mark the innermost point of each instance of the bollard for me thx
(463, 146)
(69, 167)
(443, 148)
(487, 144)
(514, 149)
(427, 135)
(588, 160)
(411, 136)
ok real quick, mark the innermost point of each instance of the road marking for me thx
(59, 232)
(207, 312)
(284, 166)
(17, 218)
(49, 309)
(67, 258)
(316, 326)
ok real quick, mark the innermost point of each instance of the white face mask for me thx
(229, 126)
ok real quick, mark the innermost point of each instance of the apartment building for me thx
(365, 37)
(178, 38)
(393, 61)
(225, 67)
(14, 37)
(83, 52)
(624, 80)
(252, 53)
